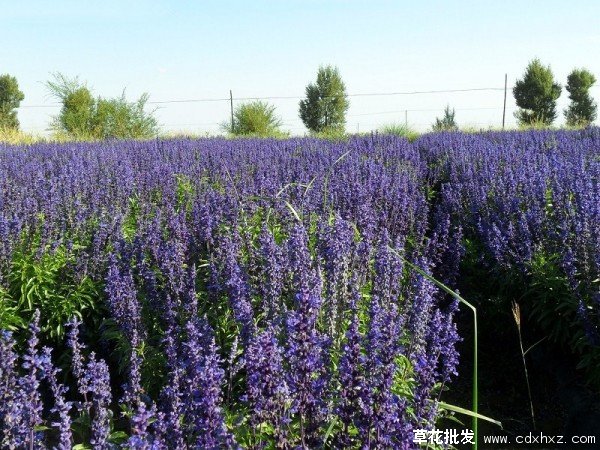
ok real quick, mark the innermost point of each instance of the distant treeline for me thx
(323, 110)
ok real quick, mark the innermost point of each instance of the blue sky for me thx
(202, 49)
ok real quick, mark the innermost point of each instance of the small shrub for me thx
(255, 118)
(84, 117)
(400, 130)
(16, 137)
(334, 134)
(446, 123)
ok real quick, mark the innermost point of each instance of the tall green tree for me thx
(254, 119)
(536, 95)
(326, 102)
(10, 99)
(583, 109)
(446, 123)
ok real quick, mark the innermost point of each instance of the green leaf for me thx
(294, 212)
(469, 413)
(330, 429)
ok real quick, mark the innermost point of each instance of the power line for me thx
(48, 105)
(196, 100)
(423, 110)
(369, 94)
(427, 92)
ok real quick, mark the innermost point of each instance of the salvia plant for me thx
(175, 294)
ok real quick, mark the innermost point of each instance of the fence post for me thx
(231, 105)
(504, 108)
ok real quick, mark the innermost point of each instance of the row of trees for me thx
(85, 116)
(536, 94)
(323, 110)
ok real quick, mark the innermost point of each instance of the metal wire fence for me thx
(477, 107)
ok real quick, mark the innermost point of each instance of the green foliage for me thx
(17, 137)
(77, 112)
(130, 222)
(583, 109)
(545, 297)
(10, 99)
(326, 102)
(184, 192)
(400, 130)
(118, 118)
(255, 118)
(551, 297)
(84, 117)
(446, 123)
(10, 318)
(332, 134)
(75, 117)
(44, 279)
(536, 95)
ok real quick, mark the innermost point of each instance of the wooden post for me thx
(504, 108)
(231, 104)
(406, 118)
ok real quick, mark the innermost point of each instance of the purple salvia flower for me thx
(61, 407)
(122, 300)
(158, 433)
(306, 280)
(267, 392)
(205, 376)
(140, 438)
(423, 303)
(11, 395)
(351, 378)
(272, 275)
(382, 409)
(126, 310)
(307, 371)
(133, 387)
(30, 384)
(98, 381)
(335, 249)
(388, 272)
(425, 367)
(171, 395)
(77, 359)
(238, 289)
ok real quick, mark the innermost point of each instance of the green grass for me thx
(398, 129)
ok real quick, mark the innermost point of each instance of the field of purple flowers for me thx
(219, 293)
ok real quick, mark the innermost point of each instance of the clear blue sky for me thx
(199, 49)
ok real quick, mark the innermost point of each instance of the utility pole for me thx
(231, 104)
(504, 108)
(406, 118)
